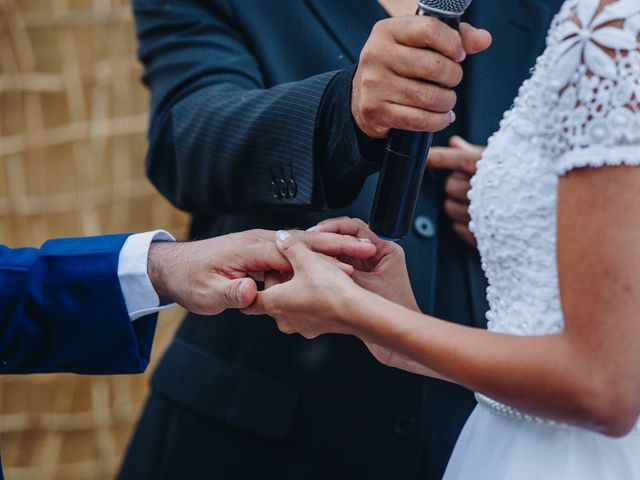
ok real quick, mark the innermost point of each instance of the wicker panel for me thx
(72, 123)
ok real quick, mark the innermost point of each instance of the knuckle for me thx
(469, 165)
(450, 187)
(229, 296)
(425, 121)
(431, 97)
(380, 26)
(371, 55)
(285, 327)
(456, 75)
(451, 99)
(398, 251)
(359, 222)
(449, 208)
(431, 28)
(368, 108)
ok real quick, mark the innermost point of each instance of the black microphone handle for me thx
(401, 178)
(399, 183)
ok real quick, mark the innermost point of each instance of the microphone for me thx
(405, 157)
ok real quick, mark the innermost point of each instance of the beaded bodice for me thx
(580, 108)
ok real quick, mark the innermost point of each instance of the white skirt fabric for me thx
(494, 447)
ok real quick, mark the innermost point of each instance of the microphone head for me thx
(445, 8)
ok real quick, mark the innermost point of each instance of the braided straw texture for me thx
(72, 123)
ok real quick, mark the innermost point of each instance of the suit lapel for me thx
(338, 18)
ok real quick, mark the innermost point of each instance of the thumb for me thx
(239, 293)
(474, 40)
(295, 251)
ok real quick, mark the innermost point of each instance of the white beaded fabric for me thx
(580, 108)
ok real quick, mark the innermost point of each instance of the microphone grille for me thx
(454, 8)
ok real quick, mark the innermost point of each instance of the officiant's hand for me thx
(209, 276)
(461, 158)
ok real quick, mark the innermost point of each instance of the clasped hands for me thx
(314, 281)
(309, 277)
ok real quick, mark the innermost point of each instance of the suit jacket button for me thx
(405, 425)
(275, 190)
(282, 188)
(292, 187)
(424, 226)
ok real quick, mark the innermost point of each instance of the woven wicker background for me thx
(72, 122)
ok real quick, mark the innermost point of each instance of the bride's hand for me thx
(317, 299)
(385, 273)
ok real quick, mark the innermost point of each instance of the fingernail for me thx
(239, 291)
(313, 229)
(282, 235)
(462, 56)
(365, 240)
(452, 116)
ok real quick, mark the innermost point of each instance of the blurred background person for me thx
(260, 119)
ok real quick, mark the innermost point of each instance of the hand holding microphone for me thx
(404, 82)
(400, 84)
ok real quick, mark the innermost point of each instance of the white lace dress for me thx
(581, 108)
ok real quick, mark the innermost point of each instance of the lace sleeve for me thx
(597, 70)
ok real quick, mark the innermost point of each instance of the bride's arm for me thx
(588, 375)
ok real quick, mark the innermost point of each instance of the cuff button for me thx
(292, 187)
(275, 190)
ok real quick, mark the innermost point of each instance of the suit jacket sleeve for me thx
(220, 141)
(62, 310)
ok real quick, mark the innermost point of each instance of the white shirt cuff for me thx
(139, 295)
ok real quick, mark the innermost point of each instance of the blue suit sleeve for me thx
(62, 310)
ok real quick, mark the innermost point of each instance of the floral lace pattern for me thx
(580, 108)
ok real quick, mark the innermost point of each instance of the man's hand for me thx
(406, 73)
(461, 158)
(209, 276)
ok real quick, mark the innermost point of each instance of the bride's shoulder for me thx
(592, 67)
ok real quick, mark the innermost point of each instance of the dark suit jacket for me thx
(237, 87)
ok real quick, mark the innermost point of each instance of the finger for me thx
(457, 187)
(428, 32)
(257, 251)
(473, 153)
(426, 65)
(465, 234)
(345, 267)
(414, 119)
(456, 159)
(474, 40)
(239, 293)
(426, 96)
(444, 158)
(354, 227)
(294, 250)
(334, 245)
(458, 212)
(259, 305)
(358, 228)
